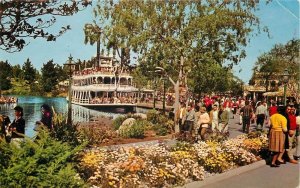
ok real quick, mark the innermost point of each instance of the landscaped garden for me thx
(160, 165)
(71, 156)
(128, 128)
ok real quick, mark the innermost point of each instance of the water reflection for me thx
(82, 114)
(32, 112)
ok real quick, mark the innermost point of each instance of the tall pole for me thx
(69, 120)
(98, 54)
(164, 97)
(154, 94)
(284, 94)
(70, 64)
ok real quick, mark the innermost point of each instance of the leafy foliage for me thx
(270, 64)
(29, 71)
(51, 74)
(161, 124)
(95, 135)
(118, 122)
(44, 162)
(65, 132)
(5, 73)
(31, 19)
(136, 130)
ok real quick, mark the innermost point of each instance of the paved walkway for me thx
(286, 176)
(256, 175)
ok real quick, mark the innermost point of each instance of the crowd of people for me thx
(8, 100)
(195, 120)
(282, 122)
(284, 131)
(94, 70)
(14, 132)
(113, 100)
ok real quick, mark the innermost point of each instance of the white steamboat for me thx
(106, 87)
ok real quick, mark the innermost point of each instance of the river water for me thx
(32, 111)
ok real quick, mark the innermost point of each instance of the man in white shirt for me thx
(213, 114)
(261, 113)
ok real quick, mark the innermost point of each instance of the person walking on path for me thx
(291, 127)
(247, 113)
(273, 108)
(213, 116)
(261, 114)
(189, 122)
(223, 120)
(278, 125)
(181, 117)
(17, 127)
(203, 122)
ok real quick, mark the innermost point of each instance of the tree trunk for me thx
(267, 84)
(176, 88)
(176, 106)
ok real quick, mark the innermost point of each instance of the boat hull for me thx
(118, 108)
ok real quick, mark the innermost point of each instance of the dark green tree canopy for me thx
(272, 64)
(29, 71)
(20, 19)
(50, 76)
(17, 71)
(5, 75)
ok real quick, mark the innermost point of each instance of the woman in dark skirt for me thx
(277, 137)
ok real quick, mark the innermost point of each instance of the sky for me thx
(280, 16)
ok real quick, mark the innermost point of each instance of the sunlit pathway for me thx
(286, 176)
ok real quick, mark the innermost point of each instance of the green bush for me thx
(44, 162)
(182, 146)
(118, 122)
(96, 135)
(65, 132)
(137, 130)
(152, 116)
(137, 117)
(160, 130)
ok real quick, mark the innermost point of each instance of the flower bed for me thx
(161, 166)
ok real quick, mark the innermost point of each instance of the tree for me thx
(177, 35)
(212, 78)
(5, 74)
(271, 64)
(31, 19)
(140, 80)
(62, 72)
(17, 72)
(49, 76)
(29, 71)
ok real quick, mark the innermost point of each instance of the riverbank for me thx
(22, 87)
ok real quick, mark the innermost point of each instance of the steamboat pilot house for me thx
(104, 86)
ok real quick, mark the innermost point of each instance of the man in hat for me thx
(17, 127)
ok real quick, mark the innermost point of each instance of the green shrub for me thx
(137, 117)
(65, 132)
(160, 130)
(137, 130)
(118, 122)
(96, 135)
(182, 146)
(44, 162)
(152, 116)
